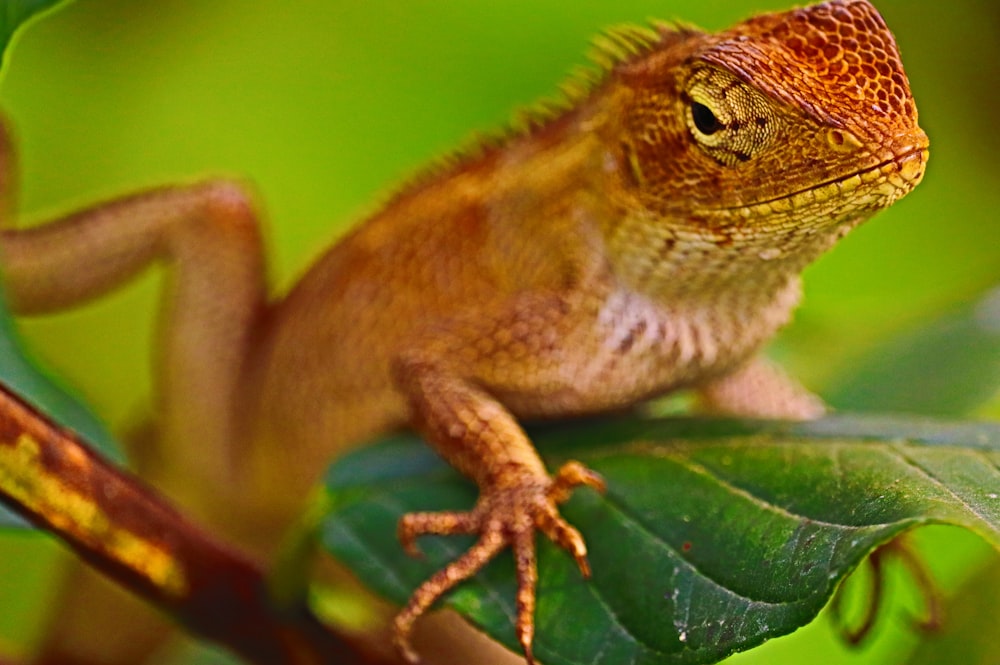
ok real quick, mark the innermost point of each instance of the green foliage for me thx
(714, 536)
(13, 14)
(946, 367)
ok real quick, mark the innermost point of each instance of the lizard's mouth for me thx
(872, 188)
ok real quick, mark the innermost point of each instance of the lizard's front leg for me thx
(470, 428)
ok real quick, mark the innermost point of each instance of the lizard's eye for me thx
(728, 119)
(704, 120)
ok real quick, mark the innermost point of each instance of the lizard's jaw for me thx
(866, 191)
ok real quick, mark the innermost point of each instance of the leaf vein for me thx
(991, 463)
(391, 575)
(764, 504)
(937, 482)
(621, 626)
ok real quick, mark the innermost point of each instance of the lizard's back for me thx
(466, 239)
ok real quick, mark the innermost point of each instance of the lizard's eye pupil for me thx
(704, 119)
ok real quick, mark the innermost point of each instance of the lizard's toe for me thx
(560, 532)
(571, 475)
(458, 570)
(413, 525)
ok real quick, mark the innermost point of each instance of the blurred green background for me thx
(324, 104)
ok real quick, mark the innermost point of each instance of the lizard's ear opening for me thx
(730, 120)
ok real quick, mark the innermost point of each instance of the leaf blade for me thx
(765, 519)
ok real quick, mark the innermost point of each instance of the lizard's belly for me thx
(639, 349)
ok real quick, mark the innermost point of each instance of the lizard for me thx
(644, 234)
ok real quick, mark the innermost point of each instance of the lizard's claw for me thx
(570, 475)
(505, 515)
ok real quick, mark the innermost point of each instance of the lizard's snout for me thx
(911, 166)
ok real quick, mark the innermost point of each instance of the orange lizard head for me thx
(793, 121)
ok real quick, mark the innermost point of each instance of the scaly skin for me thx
(647, 237)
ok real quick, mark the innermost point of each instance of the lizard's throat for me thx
(677, 263)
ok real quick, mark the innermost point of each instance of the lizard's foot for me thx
(506, 514)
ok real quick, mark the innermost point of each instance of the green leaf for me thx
(14, 14)
(714, 536)
(946, 367)
(22, 374)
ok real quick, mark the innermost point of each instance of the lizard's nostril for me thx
(842, 140)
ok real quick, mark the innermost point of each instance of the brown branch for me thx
(132, 535)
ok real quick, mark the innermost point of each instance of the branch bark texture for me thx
(134, 536)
